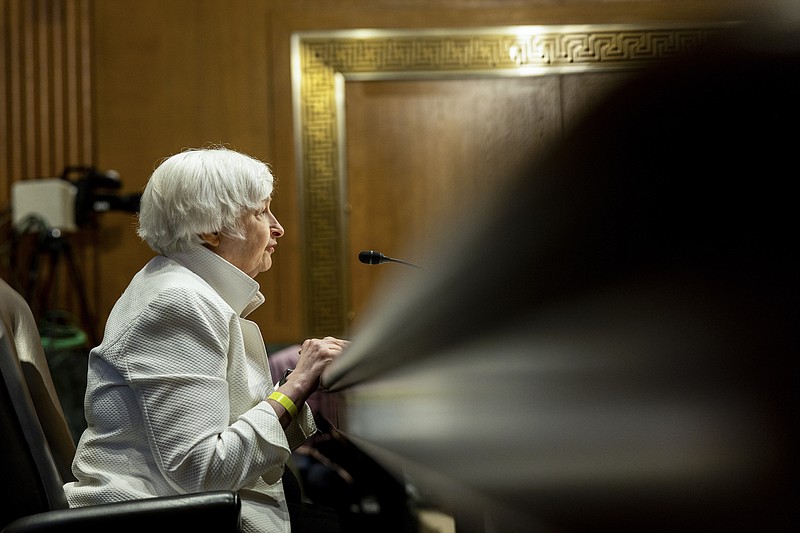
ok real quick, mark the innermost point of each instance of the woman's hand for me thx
(315, 356)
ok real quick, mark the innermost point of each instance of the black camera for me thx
(94, 193)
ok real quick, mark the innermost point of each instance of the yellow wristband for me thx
(285, 401)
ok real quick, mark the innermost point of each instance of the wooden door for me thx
(428, 152)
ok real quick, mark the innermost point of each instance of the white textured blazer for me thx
(175, 398)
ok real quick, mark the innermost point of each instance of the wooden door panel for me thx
(427, 151)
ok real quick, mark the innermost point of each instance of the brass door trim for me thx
(322, 61)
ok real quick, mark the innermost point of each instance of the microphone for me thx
(376, 258)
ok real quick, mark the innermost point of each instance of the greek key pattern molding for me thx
(319, 58)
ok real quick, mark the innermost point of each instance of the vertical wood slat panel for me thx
(57, 95)
(43, 62)
(13, 167)
(46, 115)
(7, 98)
(71, 129)
(46, 107)
(85, 43)
(30, 146)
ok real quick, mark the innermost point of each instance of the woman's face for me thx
(253, 254)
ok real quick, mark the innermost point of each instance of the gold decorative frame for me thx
(323, 60)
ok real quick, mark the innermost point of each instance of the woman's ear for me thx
(211, 239)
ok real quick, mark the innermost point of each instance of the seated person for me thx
(179, 396)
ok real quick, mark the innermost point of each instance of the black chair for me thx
(32, 494)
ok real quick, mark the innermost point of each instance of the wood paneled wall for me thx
(46, 123)
(121, 84)
(46, 117)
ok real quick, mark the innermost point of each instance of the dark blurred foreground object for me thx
(36, 448)
(613, 344)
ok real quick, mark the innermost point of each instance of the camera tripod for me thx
(52, 244)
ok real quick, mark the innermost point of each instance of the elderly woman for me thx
(179, 397)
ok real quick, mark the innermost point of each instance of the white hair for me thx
(201, 191)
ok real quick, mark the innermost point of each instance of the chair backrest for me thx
(22, 332)
(31, 481)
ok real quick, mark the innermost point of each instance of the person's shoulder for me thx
(166, 288)
(12, 305)
(184, 294)
(165, 278)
